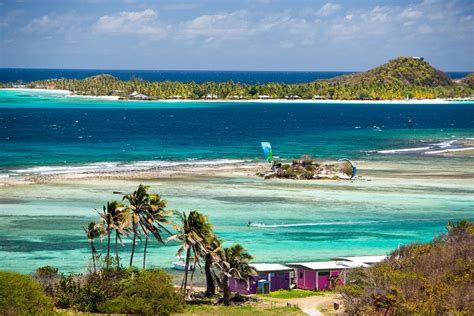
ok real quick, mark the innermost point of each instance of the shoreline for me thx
(265, 101)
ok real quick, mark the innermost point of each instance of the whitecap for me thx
(402, 150)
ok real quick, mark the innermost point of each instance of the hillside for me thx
(468, 80)
(402, 71)
(419, 279)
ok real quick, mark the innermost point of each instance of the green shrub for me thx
(87, 292)
(21, 295)
(67, 291)
(150, 292)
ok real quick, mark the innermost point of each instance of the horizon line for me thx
(205, 70)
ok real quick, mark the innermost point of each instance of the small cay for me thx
(306, 168)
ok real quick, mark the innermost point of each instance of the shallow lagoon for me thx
(295, 220)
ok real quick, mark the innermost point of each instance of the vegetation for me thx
(286, 294)
(307, 168)
(419, 279)
(148, 293)
(468, 80)
(398, 79)
(21, 295)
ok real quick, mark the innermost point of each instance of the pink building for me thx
(320, 276)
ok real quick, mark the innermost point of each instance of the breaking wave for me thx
(432, 148)
(117, 166)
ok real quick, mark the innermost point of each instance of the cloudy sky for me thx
(235, 35)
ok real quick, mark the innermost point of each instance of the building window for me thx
(301, 275)
(324, 273)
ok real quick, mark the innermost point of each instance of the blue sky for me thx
(234, 35)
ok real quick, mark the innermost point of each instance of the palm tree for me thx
(192, 232)
(233, 262)
(139, 201)
(153, 219)
(110, 217)
(121, 225)
(213, 246)
(93, 231)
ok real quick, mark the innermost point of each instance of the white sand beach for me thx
(289, 101)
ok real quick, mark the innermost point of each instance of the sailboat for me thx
(181, 264)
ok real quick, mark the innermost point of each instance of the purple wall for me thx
(279, 280)
(306, 279)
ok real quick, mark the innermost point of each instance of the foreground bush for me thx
(125, 291)
(21, 295)
(150, 293)
(422, 279)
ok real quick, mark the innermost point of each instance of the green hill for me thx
(402, 71)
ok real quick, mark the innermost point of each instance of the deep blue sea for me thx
(249, 77)
(41, 129)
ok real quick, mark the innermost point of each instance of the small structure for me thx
(210, 96)
(418, 58)
(269, 278)
(138, 96)
(321, 276)
(264, 97)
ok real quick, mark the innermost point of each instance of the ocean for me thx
(249, 77)
(50, 133)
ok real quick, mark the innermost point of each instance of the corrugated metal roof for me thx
(362, 259)
(262, 267)
(327, 265)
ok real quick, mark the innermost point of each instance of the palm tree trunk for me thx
(93, 256)
(192, 276)
(144, 251)
(107, 262)
(186, 268)
(226, 290)
(116, 249)
(210, 286)
(134, 241)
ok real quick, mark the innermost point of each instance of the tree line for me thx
(142, 216)
(106, 85)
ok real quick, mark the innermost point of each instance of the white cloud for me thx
(54, 24)
(328, 9)
(129, 22)
(221, 26)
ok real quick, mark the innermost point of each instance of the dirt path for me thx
(314, 305)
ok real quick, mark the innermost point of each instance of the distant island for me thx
(399, 79)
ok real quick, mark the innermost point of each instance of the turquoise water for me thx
(410, 196)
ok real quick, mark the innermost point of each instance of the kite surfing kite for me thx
(267, 151)
(354, 168)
